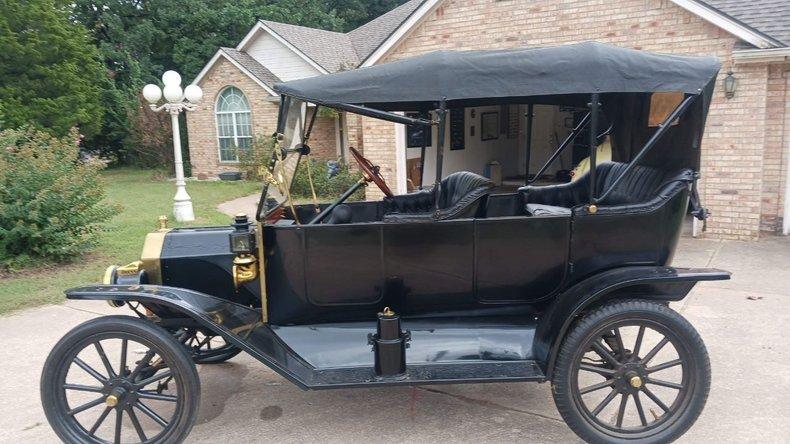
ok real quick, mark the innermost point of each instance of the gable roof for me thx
(368, 37)
(331, 50)
(769, 17)
(253, 66)
(246, 64)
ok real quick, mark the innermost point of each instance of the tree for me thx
(50, 73)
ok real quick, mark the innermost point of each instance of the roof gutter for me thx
(744, 56)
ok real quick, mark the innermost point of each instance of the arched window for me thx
(234, 125)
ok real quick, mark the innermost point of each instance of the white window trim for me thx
(235, 132)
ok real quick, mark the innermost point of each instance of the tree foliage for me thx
(50, 74)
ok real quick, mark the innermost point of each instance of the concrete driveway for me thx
(744, 323)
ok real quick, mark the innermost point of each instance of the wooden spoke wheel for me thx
(120, 379)
(629, 371)
(371, 172)
(206, 348)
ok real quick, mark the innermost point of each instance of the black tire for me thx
(128, 380)
(629, 376)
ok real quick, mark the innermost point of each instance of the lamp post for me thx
(177, 100)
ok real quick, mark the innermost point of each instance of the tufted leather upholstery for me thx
(461, 194)
(643, 189)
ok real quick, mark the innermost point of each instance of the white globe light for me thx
(171, 78)
(152, 93)
(193, 93)
(173, 93)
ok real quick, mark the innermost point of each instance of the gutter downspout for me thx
(786, 216)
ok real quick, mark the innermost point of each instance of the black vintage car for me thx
(461, 282)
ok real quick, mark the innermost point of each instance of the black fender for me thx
(642, 282)
(240, 325)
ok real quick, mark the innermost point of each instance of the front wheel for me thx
(631, 371)
(120, 379)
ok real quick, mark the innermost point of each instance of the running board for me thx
(443, 351)
(436, 373)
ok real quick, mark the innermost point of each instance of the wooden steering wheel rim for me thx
(371, 172)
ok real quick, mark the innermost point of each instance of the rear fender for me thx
(239, 325)
(648, 282)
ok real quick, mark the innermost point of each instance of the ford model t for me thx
(459, 282)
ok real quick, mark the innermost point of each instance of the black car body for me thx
(457, 282)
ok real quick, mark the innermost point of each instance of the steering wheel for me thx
(371, 172)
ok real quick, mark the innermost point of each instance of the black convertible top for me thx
(473, 78)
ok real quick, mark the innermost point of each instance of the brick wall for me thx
(202, 128)
(322, 140)
(379, 141)
(733, 147)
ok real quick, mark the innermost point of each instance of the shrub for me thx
(327, 185)
(51, 202)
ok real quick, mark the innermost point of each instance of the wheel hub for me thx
(120, 393)
(630, 377)
(115, 397)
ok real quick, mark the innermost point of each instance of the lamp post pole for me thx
(177, 101)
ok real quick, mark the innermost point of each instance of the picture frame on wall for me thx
(489, 126)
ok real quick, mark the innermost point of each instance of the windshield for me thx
(277, 191)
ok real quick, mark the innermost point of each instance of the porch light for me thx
(177, 101)
(730, 85)
(152, 93)
(193, 93)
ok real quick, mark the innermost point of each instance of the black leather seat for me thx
(643, 189)
(460, 197)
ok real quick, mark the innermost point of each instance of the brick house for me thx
(746, 148)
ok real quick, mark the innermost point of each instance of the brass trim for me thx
(111, 401)
(387, 312)
(244, 269)
(107, 279)
(152, 252)
(262, 273)
(592, 209)
(635, 381)
(162, 220)
(131, 269)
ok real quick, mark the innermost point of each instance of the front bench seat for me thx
(460, 197)
(643, 189)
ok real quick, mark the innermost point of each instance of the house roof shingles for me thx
(331, 50)
(368, 37)
(337, 51)
(253, 66)
(769, 17)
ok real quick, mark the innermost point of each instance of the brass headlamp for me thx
(242, 242)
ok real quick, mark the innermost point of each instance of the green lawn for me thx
(142, 199)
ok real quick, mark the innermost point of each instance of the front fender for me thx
(239, 325)
(644, 282)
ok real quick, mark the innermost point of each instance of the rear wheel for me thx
(120, 379)
(631, 371)
(206, 348)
